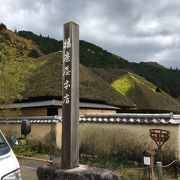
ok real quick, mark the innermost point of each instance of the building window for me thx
(52, 111)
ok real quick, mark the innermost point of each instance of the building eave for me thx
(58, 103)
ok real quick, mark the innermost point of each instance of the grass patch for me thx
(122, 85)
(35, 150)
(125, 169)
(119, 167)
(108, 162)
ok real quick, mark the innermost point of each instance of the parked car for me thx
(9, 165)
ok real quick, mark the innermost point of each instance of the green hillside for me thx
(22, 45)
(145, 94)
(100, 69)
(110, 66)
(45, 81)
(16, 64)
(46, 44)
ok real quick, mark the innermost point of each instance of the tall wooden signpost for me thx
(70, 97)
(70, 117)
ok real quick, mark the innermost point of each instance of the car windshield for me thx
(4, 147)
(2, 141)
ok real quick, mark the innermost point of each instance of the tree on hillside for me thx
(95, 57)
(46, 44)
(14, 71)
(2, 26)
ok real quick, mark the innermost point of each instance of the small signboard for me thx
(147, 161)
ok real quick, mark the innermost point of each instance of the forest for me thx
(97, 58)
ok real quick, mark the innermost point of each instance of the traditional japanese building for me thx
(43, 94)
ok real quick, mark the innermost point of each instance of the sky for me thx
(137, 30)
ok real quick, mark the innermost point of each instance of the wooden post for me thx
(145, 172)
(152, 165)
(70, 97)
(159, 171)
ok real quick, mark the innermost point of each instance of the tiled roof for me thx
(126, 118)
(129, 118)
(35, 119)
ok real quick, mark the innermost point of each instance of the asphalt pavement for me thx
(28, 173)
(29, 168)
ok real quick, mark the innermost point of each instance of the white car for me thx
(9, 165)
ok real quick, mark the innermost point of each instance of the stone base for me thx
(53, 172)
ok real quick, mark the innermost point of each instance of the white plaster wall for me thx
(126, 139)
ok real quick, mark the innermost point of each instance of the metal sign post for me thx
(70, 97)
(160, 136)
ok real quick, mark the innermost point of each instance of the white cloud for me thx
(134, 29)
(168, 57)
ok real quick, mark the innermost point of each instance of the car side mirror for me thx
(14, 140)
(25, 127)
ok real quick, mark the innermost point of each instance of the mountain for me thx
(22, 45)
(144, 94)
(45, 81)
(109, 66)
(98, 70)
(155, 64)
(46, 44)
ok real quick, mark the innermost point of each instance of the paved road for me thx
(29, 168)
(28, 173)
